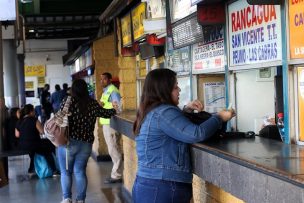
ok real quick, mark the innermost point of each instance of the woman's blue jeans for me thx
(160, 191)
(77, 156)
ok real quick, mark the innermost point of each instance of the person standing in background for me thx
(56, 98)
(111, 94)
(46, 106)
(64, 90)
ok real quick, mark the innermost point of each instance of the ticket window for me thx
(185, 96)
(255, 96)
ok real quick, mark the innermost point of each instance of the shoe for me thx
(112, 180)
(56, 173)
(68, 200)
(31, 172)
(79, 201)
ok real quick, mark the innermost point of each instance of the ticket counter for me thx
(252, 170)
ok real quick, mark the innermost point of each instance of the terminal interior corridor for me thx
(25, 189)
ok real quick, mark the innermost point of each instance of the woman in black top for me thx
(28, 130)
(73, 158)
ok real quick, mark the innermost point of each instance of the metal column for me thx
(10, 71)
(2, 102)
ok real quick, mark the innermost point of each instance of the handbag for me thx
(221, 133)
(42, 169)
(56, 128)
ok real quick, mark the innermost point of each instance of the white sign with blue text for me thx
(254, 34)
(209, 55)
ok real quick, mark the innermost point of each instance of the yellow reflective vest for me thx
(107, 104)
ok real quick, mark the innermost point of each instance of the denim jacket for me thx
(163, 143)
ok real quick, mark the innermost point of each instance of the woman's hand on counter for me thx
(226, 115)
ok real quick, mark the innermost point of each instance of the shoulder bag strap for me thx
(67, 105)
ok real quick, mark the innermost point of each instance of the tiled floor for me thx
(25, 189)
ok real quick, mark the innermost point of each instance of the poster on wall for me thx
(41, 81)
(214, 96)
(296, 29)
(29, 85)
(254, 34)
(181, 9)
(179, 60)
(126, 30)
(36, 70)
(185, 93)
(301, 102)
(138, 16)
(157, 8)
(209, 55)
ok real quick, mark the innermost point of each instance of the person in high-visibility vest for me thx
(111, 94)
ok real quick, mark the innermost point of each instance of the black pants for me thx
(44, 148)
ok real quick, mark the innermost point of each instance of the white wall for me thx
(48, 53)
(254, 100)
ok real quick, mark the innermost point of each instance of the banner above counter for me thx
(138, 16)
(254, 34)
(126, 28)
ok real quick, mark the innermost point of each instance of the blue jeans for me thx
(160, 191)
(78, 155)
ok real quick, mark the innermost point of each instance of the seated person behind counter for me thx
(163, 135)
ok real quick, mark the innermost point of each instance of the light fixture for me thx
(31, 30)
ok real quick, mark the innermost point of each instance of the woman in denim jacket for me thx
(163, 136)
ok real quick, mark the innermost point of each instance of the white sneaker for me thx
(79, 201)
(68, 200)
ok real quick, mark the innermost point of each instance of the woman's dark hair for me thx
(27, 109)
(13, 112)
(80, 93)
(157, 90)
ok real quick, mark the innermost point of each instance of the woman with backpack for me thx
(28, 130)
(73, 157)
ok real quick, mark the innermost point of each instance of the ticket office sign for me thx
(138, 16)
(296, 29)
(126, 30)
(209, 55)
(254, 33)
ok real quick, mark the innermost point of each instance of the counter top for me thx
(270, 157)
(265, 155)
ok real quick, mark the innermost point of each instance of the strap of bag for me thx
(67, 105)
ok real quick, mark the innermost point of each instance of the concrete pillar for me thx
(21, 79)
(10, 73)
(2, 107)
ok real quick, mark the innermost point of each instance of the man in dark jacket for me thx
(45, 103)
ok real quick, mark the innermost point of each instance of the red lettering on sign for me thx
(252, 16)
